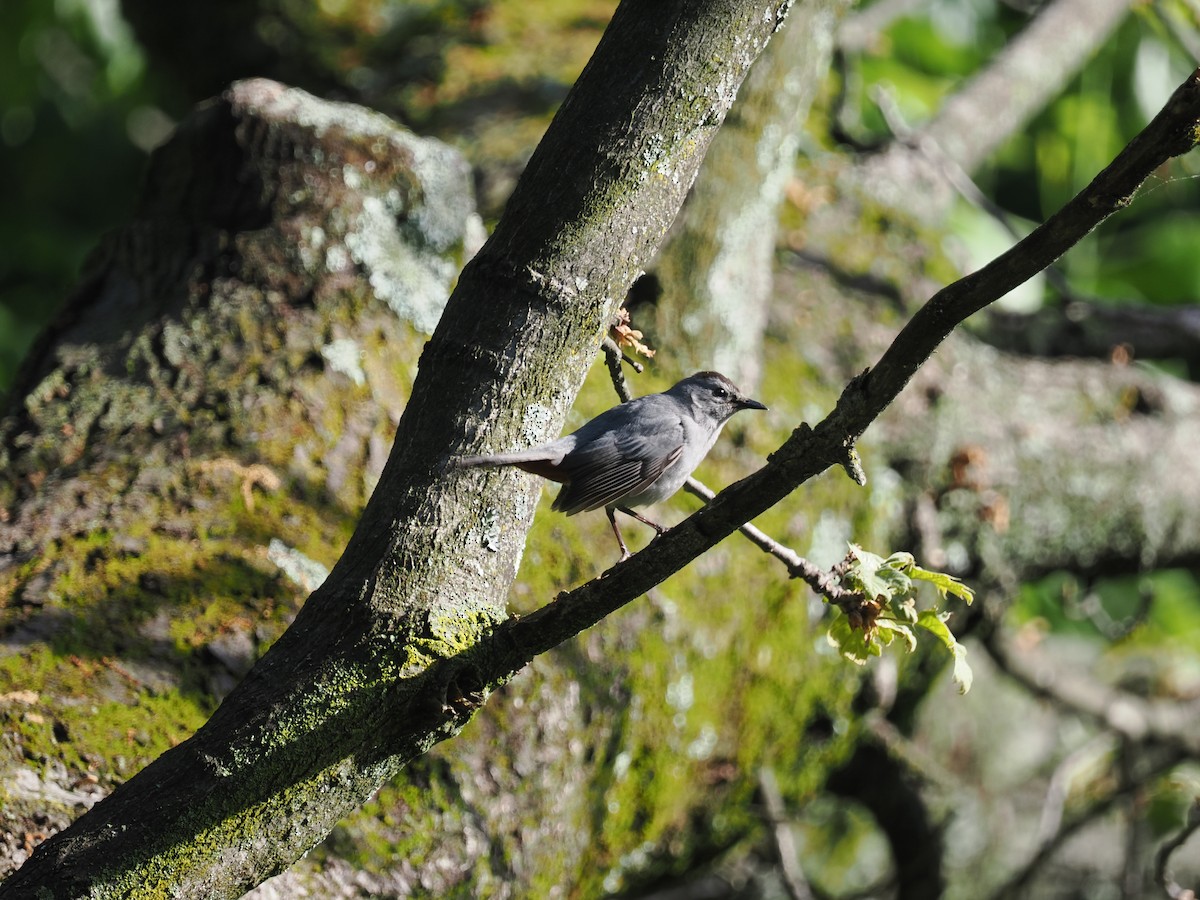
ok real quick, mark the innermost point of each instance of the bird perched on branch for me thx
(634, 454)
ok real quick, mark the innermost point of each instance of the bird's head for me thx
(713, 396)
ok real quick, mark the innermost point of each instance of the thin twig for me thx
(824, 583)
(613, 357)
(1060, 783)
(786, 850)
(1162, 874)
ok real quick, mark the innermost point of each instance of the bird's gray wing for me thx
(620, 462)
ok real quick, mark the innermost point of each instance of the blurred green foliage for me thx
(1147, 253)
(74, 108)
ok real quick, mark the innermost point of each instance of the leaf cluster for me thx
(884, 608)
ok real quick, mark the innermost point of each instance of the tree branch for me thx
(1162, 859)
(810, 451)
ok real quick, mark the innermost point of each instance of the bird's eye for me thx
(720, 393)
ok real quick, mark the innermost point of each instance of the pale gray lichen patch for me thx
(312, 240)
(414, 283)
(447, 201)
(411, 228)
(294, 105)
(337, 259)
(488, 532)
(345, 355)
(536, 423)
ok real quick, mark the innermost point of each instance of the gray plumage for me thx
(637, 453)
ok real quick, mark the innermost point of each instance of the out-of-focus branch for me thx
(954, 174)
(1060, 782)
(1163, 735)
(1172, 725)
(862, 30)
(994, 104)
(785, 843)
(1182, 32)
(1162, 859)
(1093, 329)
(1150, 764)
(1022, 78)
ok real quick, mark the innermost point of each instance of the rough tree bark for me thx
(378, 665)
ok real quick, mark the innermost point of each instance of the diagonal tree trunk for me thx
(378, 665)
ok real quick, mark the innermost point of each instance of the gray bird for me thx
(634, 454)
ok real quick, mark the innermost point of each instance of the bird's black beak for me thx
(747, 403)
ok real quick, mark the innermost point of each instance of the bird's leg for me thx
(612, 519)
(642, 519)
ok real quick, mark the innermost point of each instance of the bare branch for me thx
(613, 357)
(810, 451)
(1162, 874)
(785, 843)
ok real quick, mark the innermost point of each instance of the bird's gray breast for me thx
(696, 442)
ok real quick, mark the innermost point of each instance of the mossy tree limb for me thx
(381, 662)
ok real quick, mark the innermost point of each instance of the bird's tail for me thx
(535, 461)
(497, 459)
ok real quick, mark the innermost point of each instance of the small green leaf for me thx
(935, 624)
(851, 642)
(889, 583)
(874, 577)
(963, 676)
(945, 584)
(889, 628)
